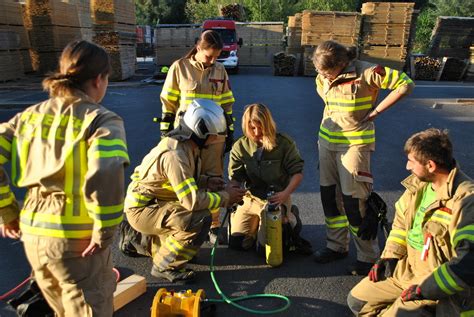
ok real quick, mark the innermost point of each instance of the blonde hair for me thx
(260, 114)
(331, 55)
(79, 62)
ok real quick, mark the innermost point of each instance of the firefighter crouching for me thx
(199, 75)
(426, 268)
(65, 151)
(264, 160)
(170, 195)
(349, 89)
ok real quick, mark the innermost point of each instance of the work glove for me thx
(229, 140)
(382, 269)
(412, 293)
(369, 226)
(166, 124)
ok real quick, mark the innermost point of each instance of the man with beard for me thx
(426, 266)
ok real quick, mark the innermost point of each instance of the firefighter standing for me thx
(426, 266)
(171, 196)
(264, 161)
(65, 151)
(198, 75)
(349, 89)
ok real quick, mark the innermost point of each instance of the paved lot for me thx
(314, 289)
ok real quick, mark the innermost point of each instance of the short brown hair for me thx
(260, 114)
(79, 62)
(431, 144)
(330, 55)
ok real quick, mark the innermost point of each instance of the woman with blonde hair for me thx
(69, 152)
(264, 161)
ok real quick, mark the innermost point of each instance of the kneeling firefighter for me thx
(270, 166)
(170, 197)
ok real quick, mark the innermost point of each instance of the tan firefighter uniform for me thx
(70, 153)
(445, 275)
(345, 143)
(167, 198)
(187, 80)
(260, 169)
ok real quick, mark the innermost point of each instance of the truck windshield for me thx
(228, 36)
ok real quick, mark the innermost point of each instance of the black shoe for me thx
(186, 275)
(327, 255)
(360, 268)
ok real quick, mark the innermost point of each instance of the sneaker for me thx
(360, 268)
(173, 275)
(327, 255)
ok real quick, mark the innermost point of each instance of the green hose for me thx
(232, 301)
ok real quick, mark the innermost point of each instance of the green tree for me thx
(197, 11)
(152, 12)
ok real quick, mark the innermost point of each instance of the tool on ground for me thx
(273, 233)
(170, 303)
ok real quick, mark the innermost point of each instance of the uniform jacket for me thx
(449, 221)
(187, 80)
(275, 168)
(70, 154)
(350, 98)
(172, 172)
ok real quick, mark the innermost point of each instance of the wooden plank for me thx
(128, 290)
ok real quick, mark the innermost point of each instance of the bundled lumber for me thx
(293, 34)
(320, 26)
(469, 75)
(10, 68)
(425, 68)
(283, 64)
(10, 13)
(452, 69)
(308, 65)
(113, 15)
(261, 33)
(232, 11)
(452, 37)
(390, 56)
(388, 12)
(123, 59)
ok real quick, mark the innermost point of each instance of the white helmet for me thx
(204, 117)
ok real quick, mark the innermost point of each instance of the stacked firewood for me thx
(232, 11)
(283, 64)
(426, 68)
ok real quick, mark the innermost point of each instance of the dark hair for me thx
(432, 144)
(208, 39)
(330, 55)
(79, 62)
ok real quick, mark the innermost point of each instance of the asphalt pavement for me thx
(314, 289)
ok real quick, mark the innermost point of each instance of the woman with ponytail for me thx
(69, 152)
(199, 75)
(349, 88)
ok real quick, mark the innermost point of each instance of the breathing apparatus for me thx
(273, 232)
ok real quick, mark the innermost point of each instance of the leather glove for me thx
(229, 140)
(369, 226)
(166, 124)
(382, 269)
(412, 293)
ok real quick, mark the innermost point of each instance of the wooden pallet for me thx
(10, 67)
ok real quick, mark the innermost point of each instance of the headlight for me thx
(233, 53)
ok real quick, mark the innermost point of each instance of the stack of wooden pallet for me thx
(10, 69)
(320, 26)
(386, 33)
(469, 76)
(52, 24)
(14, 42)
(260, 41)
(114, 29)
(173, 41)
(293, 35)
(452, 37)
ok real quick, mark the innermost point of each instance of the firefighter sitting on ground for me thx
(259, 160)
(349, 89)
(426, 268)
(65, 151)
(171, 197)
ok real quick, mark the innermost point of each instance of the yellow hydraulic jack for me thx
(172, 304)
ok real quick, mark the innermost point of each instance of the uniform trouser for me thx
(212, 158)
(248, 221)
(346, 183)
(180, 232)
(383, 299)
(72, 285)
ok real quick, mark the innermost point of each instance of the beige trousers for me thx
(72, 285)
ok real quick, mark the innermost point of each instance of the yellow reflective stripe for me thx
(25, 146)
(4, 189)
(69, 182)
(195, 95)
(465, 233)
(349, 101)
(214, 211)
(105, 148)
(355, 133)
(441, 217)
(69, 234)
(104, 209)
(109, 222)
(349, 109)
(4, 143)
(167, 186)
(337, 222)
(400, 81)
(214, 200)
(108, 154)
(108, 142)
(445, 281)
(227, 94)
(386, 80)
(164, 125)
(170, 98)
(178, 249)
(397, 236)
(229, 113)
(7, 201)
(173, 91)
(3, 159)
(185, 187)
(55, 219)
(356, 137)
(354, 230)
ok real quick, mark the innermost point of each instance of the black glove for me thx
(382, 269)
(166, 124)
(229, 140)
(369, 226)
(412, 293)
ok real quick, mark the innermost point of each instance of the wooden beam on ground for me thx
(129, 289)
